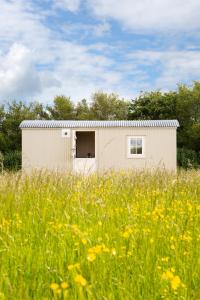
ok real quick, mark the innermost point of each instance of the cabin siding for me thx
(160, 148)
(45, 148)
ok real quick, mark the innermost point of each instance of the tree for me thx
(83, 110)
(14, 113)
(183, 104)
(62, 109)
(11, 115)
(108, 107)
(153, 106)
(1, 162)
(2, 115)
(188, 114)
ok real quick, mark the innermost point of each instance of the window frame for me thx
(129, 155)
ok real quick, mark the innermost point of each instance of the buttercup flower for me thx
(80, 280)
(54, 286)
(91, 257)
(64, 285)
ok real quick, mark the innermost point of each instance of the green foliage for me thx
(153, 106)
(188, 158)
(13, 114)
(12, 160)
(108, 107)
(103, 107)
(62, 109)
(83, 110)
(1, 162)
(183, 105)
(2, 113)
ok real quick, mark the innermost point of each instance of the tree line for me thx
(182, 104)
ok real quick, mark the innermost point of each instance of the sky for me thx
(77, 47)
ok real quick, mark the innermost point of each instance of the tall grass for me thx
(116, 236)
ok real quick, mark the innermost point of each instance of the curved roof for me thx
(93, 124)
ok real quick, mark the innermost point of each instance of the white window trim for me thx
(129, 155)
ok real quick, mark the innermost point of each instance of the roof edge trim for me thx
(95, 123)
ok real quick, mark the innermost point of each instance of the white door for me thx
(85, 166)
(83, 152)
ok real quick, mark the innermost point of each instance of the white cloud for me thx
(83, 31)
(173, 66)
(71, 5)
(18, 75)
(179, 66)
(146, 15)
(42, 64)
(101, 29)
(36, 62)
(20, 22)
(81, 72)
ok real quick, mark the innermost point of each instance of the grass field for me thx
(118, 236)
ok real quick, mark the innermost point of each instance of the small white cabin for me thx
(89, 146)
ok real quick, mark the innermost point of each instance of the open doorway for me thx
(85, 144)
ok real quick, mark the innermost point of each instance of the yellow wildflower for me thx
(105, 249)
(127, 233)
(98, 249)
(84, 241)
(91, 257)
(113, 251)
(175, 282)
(186, 238)
(172, 270)
(72, 267)
(80, 280)
(165, 259)
(173, 279)
(58, 292)
(64, 285)
(54, 286)
(167, 275)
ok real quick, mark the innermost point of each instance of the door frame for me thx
(83, 161)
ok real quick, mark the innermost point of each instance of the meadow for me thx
(115, 236)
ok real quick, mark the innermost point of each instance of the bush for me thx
(12, 160)
(1, 161)
(188, 158)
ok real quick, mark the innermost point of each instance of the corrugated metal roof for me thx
(93, 124)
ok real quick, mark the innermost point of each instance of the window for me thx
(135, 146)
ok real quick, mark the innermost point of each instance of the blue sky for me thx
(77, 47)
